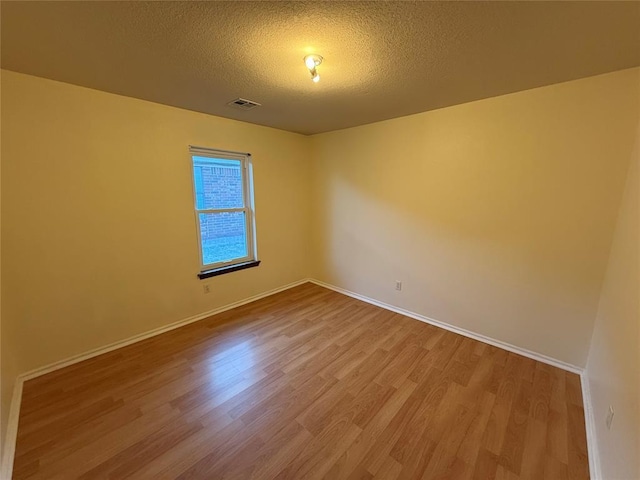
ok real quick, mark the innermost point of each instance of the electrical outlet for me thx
(610, 414)
(206, 288)
(398, 285)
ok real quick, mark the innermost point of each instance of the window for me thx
(223, 197)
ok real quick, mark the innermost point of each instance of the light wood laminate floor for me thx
(307, 383)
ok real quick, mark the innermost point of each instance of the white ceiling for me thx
(382, 59)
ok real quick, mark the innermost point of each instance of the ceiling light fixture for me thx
(312, 62)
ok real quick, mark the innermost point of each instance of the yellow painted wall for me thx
(497, 214)
(98, 229)
(613, 368)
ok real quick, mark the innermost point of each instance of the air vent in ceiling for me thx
(243, 104)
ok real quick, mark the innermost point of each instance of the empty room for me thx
(320, 240)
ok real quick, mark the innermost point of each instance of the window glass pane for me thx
(223, 235)
(218, 183)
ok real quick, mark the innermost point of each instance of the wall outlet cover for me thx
(610, 414)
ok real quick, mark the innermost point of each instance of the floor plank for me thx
(306, 383)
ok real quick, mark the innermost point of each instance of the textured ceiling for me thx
(382, 59)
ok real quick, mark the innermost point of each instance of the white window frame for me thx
(248, 208)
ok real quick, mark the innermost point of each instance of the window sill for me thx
(228, 269)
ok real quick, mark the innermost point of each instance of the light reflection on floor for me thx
(232, 365)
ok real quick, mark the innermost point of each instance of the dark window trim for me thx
(227, 269)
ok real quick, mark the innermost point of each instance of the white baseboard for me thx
(6, 467)
(461, 331)
(152, 333)
(590, 427)
(12, 429)
(594, 459)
